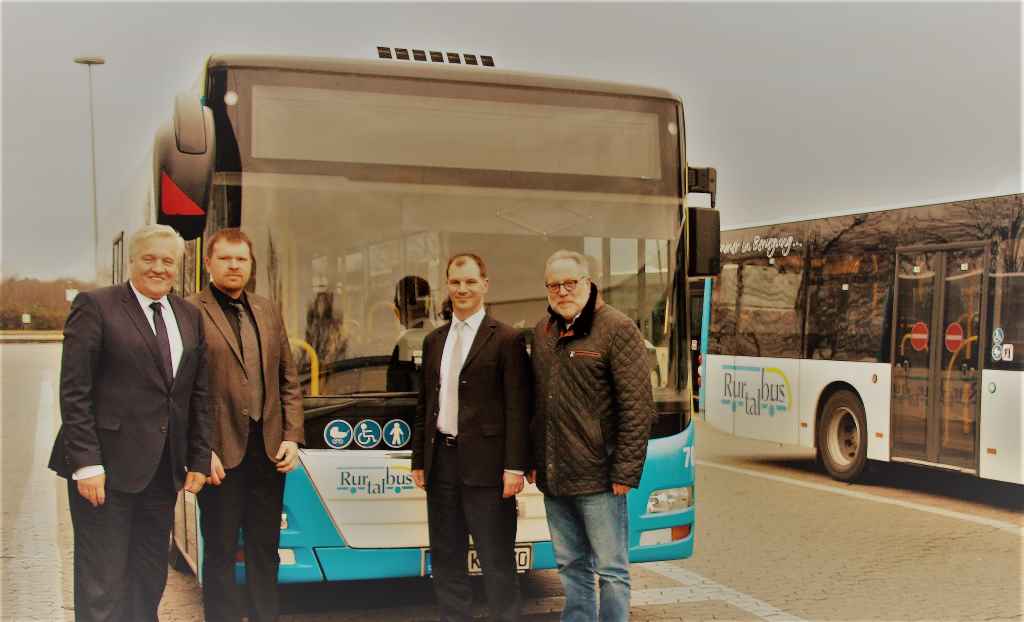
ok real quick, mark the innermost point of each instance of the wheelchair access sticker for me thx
(368, 434)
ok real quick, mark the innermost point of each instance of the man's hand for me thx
(619, 489)
(287, 456)
(217, 473)
(92, 489)
(532, 476)
(417, 478)
(194, 481)
(513, 484)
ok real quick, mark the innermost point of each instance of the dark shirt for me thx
(232, 307)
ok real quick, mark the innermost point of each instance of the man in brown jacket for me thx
(256, 405)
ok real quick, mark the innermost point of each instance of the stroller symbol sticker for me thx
(338, 434)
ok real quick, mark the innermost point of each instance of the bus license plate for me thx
(524, 560)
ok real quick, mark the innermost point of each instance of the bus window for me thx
(1005, 303)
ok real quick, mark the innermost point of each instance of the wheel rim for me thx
(843, 437)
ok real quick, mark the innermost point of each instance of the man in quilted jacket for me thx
(594, 410)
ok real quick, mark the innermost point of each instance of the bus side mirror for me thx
(704, 230)
(183, 161)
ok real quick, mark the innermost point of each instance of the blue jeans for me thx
(590, 535)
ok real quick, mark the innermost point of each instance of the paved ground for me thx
(776, 540)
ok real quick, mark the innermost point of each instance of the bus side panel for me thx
(717, 406)
(872, 381)
(763, 394)
(305, 525)
(1001, 429)
(669, 465)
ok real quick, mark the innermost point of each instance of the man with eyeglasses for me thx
(471, 445)
(592, 420)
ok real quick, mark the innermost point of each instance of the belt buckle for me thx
(449, 441)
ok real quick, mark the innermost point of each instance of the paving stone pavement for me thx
(766, 549)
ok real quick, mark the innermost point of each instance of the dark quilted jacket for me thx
(594, 406)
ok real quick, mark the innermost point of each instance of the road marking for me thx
(694, 589)
(701, 588)
(1016, 530)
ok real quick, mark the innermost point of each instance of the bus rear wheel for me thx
(843, 436)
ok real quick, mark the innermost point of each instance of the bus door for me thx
(937, 354)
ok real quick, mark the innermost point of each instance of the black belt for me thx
(447, 440)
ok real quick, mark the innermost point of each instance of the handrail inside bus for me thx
(966, 420)
(314, 365)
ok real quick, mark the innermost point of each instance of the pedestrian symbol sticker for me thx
(396, 433)
(367, 433)
(338, 434)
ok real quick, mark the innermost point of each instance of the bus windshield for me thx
(352, 225)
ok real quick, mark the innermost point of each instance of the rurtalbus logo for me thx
(757, 390)
(374, 481)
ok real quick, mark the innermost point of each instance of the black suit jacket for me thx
(495, 398)
(116, 407)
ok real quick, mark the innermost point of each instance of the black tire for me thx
(177, 561)
(843, 436)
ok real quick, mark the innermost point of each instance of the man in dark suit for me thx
(257, 411)
(470, 445)
(134, 428)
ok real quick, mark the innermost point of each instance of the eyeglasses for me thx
(570, 286)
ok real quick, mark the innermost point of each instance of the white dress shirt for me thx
(468, 329)
(173, 336)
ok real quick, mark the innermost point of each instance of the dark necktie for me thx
(250, 357)
(162, 341)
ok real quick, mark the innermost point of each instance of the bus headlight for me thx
(670, 500)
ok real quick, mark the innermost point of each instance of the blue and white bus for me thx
(893, 335)
(356, 180)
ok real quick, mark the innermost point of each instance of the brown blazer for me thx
(495, 400)
(282, 405)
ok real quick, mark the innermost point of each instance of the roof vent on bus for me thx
(454, 58)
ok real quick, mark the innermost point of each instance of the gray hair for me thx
(150, 232)
(581, 260)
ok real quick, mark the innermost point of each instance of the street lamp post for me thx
(89, 61)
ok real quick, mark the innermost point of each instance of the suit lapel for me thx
(436, 354)
(484, 333)
(213, 311)
(131, 307)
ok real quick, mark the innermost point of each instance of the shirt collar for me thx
(474, 320)
(223, 299)
(145, 301)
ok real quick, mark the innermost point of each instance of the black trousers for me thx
(454, 511)
(121, 550)
(250, 499)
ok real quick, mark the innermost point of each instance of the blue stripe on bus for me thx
(741, 368)
(705, 329)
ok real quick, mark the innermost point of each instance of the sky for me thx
(805, 109)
